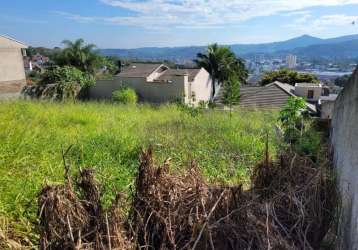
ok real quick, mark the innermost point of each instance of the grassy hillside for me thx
(109, 138)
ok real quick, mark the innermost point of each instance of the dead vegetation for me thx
(291, 205)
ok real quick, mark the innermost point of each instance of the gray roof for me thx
(139, 69)
(274, 95)
(191, 73)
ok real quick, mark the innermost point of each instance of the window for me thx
(310, 94)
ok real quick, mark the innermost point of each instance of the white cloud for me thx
(308, 23)
(75, 17)
(203, 13)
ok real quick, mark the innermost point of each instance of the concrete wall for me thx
(201, 87)
(302, 91)
(345, 145)
(155, 92)
(327, 109)
(12, 72)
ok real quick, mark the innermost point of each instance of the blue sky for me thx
(143, 23)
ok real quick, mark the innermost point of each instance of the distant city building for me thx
(291, 61)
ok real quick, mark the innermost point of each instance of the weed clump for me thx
(291, 205)
(75, 219)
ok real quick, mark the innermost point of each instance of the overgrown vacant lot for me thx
(109, 138)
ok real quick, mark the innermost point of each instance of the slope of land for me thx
(110, 138)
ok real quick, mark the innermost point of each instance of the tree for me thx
(231, 91)
(342, 80)
(287, 76)
(291, 117)
(220, 62)
(80, 55)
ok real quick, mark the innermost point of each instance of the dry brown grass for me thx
(290, 205)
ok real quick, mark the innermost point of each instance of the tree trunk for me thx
(213, 83)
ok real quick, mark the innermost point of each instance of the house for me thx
(157, 83)
(311, 91)
(40, 59)
(12, 72)
(271, 96)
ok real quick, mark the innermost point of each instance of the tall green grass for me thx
(109, 138)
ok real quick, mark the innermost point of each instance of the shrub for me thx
(125, 96)
(60, 83)
(291, 117)
(67, 75)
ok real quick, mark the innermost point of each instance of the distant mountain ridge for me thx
(306, 45)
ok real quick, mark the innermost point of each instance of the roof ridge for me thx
(12, 39)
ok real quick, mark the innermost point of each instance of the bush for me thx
(67, 75)
(125, 96)
(60, 83)
(291, 118)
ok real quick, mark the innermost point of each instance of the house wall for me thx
(201, 86)
(303, 91)
(345, 147)
(12, 72)
(156, 92)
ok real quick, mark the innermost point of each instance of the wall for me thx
(345, 146)
(156, 92)
(327, 109)
(201, 86)
(303, 92)
(12, 72)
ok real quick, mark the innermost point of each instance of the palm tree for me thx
(79, 55)
(220, 62)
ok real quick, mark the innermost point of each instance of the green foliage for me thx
(309, 143)
(291, 118)
(80, 55)
(109, 138)
(231, 91)
(67, 75)
(342, 80)
(221, 62)
(125, 96)
(287, 76)
(109, 64)
(68, 80)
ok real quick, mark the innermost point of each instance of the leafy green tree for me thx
(111, 65)
(287, 76)
(80, 55)
(220, 62)
(231, 91)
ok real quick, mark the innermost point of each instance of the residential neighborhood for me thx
(191, 125)
(157, 83)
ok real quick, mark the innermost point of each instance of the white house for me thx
(311, 91)
(12, 72)
(157, 83)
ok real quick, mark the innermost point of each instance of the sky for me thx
(168, 23)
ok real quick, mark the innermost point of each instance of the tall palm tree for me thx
(79, 55)
(220, 62)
